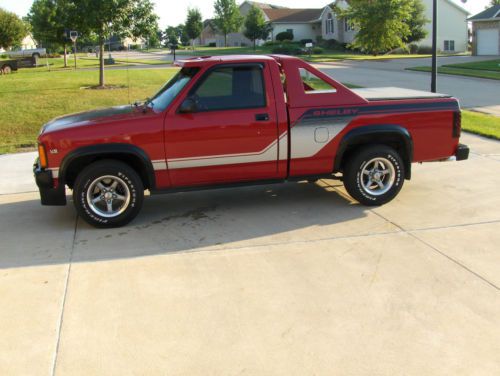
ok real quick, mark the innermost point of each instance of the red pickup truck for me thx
(238, 120)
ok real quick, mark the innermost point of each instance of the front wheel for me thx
(374, 175)
(108, 193)
(6, 69)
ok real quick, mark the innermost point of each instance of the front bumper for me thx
(45, 182)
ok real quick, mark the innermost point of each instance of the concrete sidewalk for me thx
(291, 279)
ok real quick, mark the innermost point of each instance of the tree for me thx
(12, 29)
(381, 24)
(494, 2)
(227, 18)
(50, 20)
(124, 18)
(255, 25)
(416, 22)
(194, 24)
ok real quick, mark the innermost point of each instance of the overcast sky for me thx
(174, 14)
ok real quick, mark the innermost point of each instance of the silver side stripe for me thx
(269, 153)
(55, 172)
(159, 164)
(308, 137)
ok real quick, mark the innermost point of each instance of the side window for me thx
(228, 88)
(313, 84)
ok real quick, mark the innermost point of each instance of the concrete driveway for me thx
(289, 279)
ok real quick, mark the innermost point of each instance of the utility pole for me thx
(434, 46)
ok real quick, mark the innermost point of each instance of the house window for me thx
(449, 45)
(329, 24)
(348, 25)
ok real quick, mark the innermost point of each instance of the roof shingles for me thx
(293, 15)
(493, 12)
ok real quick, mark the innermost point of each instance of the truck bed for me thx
(395, 93)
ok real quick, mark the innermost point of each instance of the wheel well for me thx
(394, 140)
(78, 164)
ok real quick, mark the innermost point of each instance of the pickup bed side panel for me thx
(316, 133)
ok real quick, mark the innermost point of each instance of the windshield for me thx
(169, 91)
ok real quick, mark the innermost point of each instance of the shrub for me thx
(333, 44)
(283, 36)
(413, 48)
(425, 50)
(212, 44)
(3, 56)
(287, 49)
(304, 41)
(317, 50)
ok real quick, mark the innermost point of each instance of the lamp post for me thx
(434, 44)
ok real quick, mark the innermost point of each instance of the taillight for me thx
(457, 124)
(42, 155)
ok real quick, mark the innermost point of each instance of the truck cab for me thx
(237, 120)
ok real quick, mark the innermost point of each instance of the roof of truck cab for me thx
(202, 60)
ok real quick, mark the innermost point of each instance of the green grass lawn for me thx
(482, 69)
(484, 125)
(30, 100)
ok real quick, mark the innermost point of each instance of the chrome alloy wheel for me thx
(378, 176)
(108, 196)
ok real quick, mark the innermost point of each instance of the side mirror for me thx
(188, 106)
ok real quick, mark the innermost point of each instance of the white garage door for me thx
(487, 42)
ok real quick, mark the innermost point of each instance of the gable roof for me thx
(263, 5)
(293, 15)
(490, 13)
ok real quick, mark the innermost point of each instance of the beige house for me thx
(312, 23)
(486, 32)
(28, 43)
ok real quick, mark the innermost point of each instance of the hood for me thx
(89, 117)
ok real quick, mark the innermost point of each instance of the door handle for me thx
(262, 117)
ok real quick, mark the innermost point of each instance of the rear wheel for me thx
(374, 175)
(108, 193)
(6, 69)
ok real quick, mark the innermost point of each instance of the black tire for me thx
(104, 174)
(371, 168)
(6, 69)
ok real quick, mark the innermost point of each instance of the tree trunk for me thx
(225, 40)
(65, 56)
(101, 61)
(254, 44)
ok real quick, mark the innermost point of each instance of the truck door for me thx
(225, 130)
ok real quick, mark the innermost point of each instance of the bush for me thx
(304, 41)
(424, 50)
(287, 49)
(413, 48)
(333, 44)
(317, 50)
(3, 56)
(212, 44)
(134, 47)
(284, 35)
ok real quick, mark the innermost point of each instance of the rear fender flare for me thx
(377, 134)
